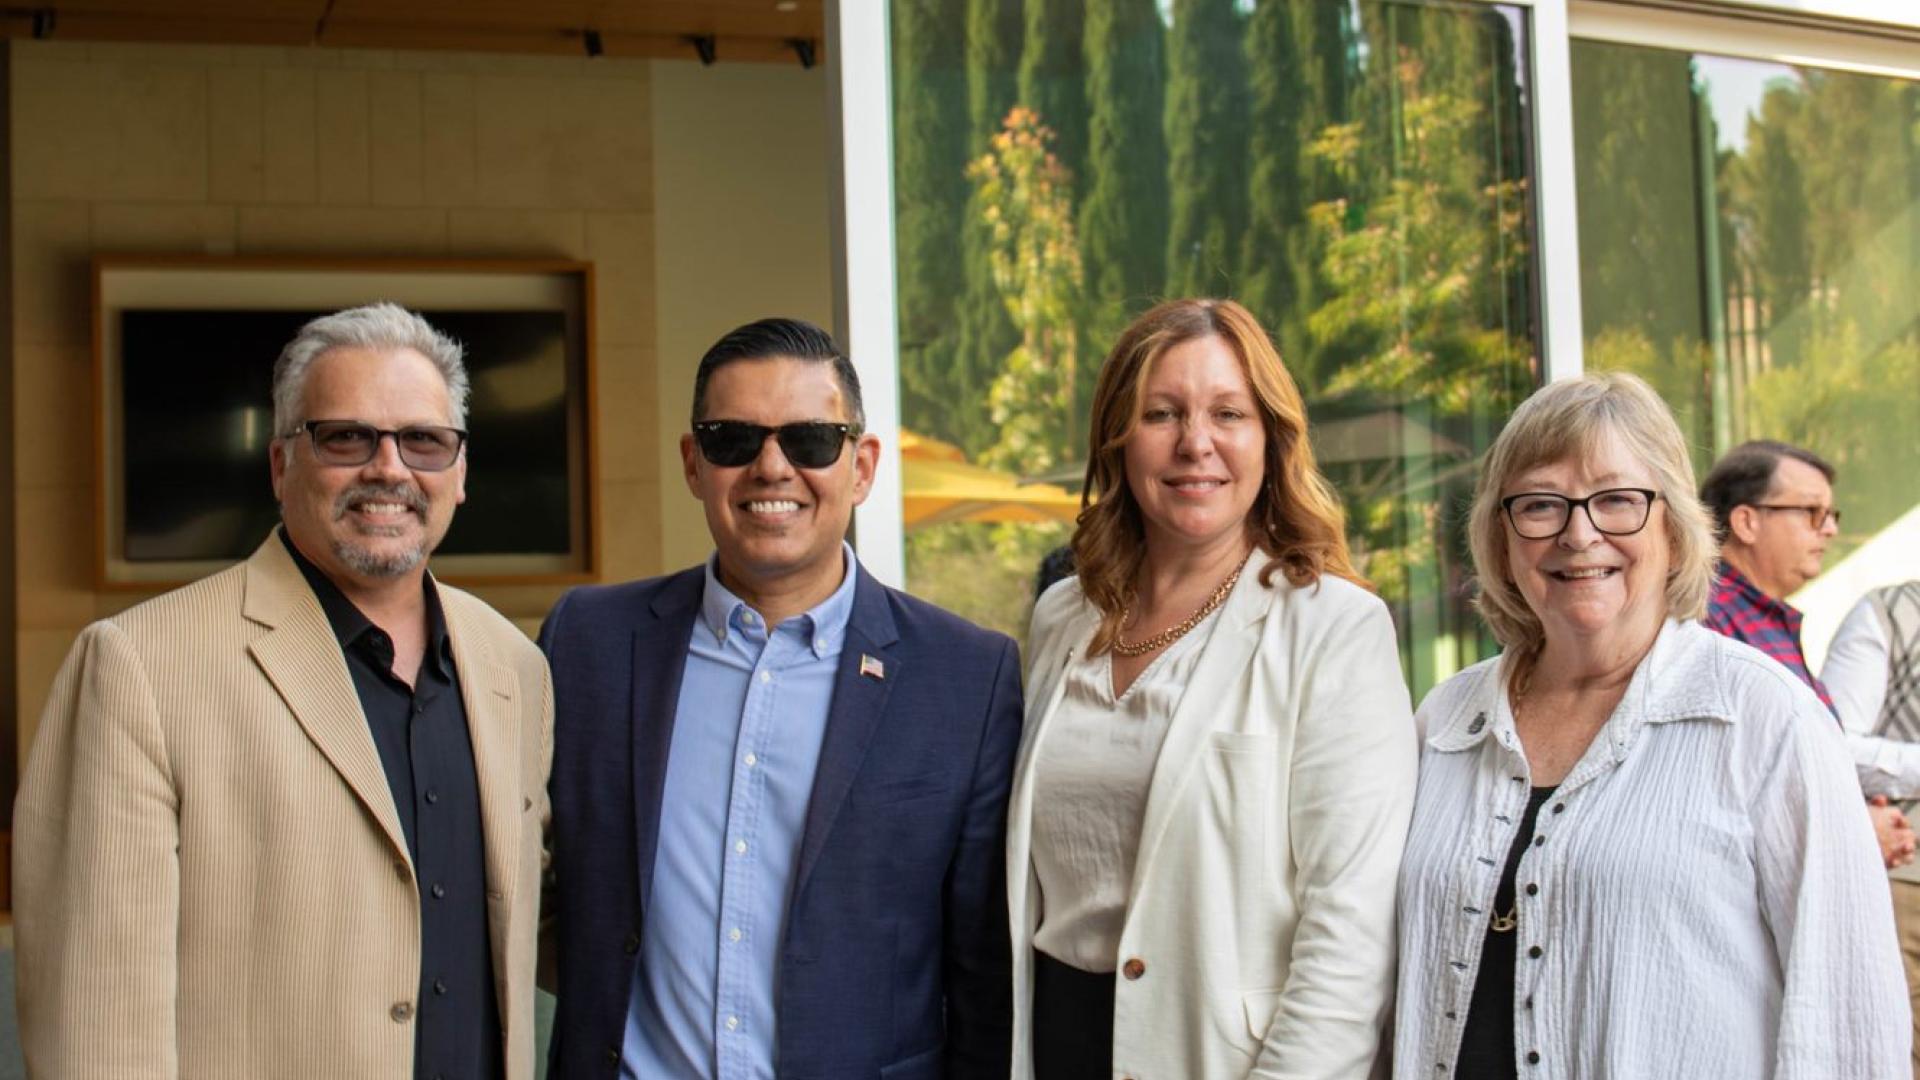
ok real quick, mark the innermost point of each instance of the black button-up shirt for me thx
(421, 734)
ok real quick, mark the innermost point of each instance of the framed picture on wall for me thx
(183, 372)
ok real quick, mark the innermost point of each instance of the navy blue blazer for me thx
(895, 959)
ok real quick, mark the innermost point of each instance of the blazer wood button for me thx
(401, 1012)
(1134, 968)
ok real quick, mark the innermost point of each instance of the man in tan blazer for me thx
(286, 821)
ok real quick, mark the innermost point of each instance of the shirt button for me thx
(1559, 807)
(632, 944)
(1536, 952)
(401, 1012)
(740, 847)
(752, 760)
(733, 1023)
(433, 795)
(1532, 889)
(766, 676)
(418, 708)
(439, 986)
(1538, 840)
(1533, 1057)
(1134, 968)
(733, 934)
(613, 1055)
(820, 644)
(439, 890)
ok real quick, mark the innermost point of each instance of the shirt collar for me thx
(1673, 682)
(825, 624)
(1749, 593)
(350, 624)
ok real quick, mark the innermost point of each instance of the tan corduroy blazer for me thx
(210, 877)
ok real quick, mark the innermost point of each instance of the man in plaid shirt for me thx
(1773, 507)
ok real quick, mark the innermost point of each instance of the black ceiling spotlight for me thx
(705, 45)
(804, 49)
(42, 23)
(595, 47)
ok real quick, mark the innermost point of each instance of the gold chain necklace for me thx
(1174, 633)
(1498, 923)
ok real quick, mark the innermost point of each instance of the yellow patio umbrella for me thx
(939, 486)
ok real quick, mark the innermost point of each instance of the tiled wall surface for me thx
(305, 151)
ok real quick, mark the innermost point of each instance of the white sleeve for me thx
(1855, 674)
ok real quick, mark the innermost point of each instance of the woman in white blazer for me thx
(1218, 764)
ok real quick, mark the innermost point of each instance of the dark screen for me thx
(198, 408)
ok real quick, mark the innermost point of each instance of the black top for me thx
(1486, 1042)
(421, 734)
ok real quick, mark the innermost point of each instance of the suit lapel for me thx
(487, 691)
(660, 641)
(859, 705)
(1223, 658)
(301, 658)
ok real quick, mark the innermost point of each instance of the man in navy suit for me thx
(779, 787)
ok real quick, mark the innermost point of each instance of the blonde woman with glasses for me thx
(1219, 753)
(1639, 848)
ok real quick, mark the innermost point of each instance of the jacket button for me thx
(1134, 968)
(1479, 721)
(632, 945)
(401, 1012)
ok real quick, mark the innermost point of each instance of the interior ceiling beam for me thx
(290, 28)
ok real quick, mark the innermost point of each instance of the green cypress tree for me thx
(1123, 218)
(983, 333)
(930, 195)
(1277, 92)
(1053, 79)
(1206, 147)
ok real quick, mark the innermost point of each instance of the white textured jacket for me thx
(1704, 897)
(1259, 936)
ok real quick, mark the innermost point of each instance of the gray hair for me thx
(382, 327)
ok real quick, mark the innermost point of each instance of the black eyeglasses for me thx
(425, 447)
(1817, 516)
(1544, 515)
(809, 444)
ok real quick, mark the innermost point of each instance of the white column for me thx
(1558, 220)
(860, 126)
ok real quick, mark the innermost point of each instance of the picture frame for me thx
(183, 350)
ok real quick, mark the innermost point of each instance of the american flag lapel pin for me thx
(872, 667)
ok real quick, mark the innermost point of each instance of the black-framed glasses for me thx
(1817, 516)
(426, 447)
(1544, 515)
(808, 444)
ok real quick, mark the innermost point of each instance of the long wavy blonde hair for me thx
(1296, 518)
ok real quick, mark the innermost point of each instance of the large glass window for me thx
(1749, 242)
(1358, 174)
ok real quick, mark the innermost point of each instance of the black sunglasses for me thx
(809, 444)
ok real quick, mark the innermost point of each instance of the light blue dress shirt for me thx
(746, 742)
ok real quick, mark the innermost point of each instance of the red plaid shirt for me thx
(1738, 609)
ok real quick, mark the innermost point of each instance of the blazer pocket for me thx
(911, 789)
(1240, 742)
(921, 1066)
(1260, 1006)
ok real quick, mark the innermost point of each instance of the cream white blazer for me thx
(1259, 935)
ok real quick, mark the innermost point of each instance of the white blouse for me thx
(1090, 797)
(1704, 896)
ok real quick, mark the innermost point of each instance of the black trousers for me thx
(1072, 1022)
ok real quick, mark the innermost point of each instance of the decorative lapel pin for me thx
(872, 667)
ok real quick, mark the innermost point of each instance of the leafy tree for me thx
(1278, 90)
(1024, 191)
(1206, 127)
